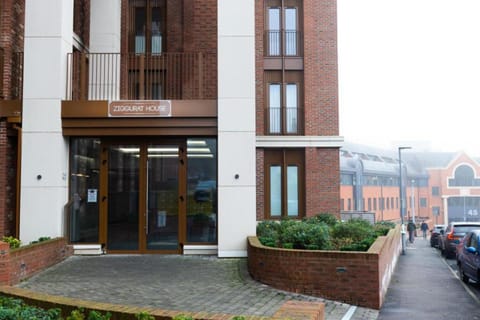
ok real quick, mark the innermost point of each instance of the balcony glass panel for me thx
(275, 191)
(291, 95)
(275, 108)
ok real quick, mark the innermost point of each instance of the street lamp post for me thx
(402, 204)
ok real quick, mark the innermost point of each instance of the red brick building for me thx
(166, 126)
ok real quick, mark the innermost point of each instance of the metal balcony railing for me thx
(286, 43)
(284, 121)
(11, 80)
(115, 76)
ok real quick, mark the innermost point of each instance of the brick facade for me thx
(320, 96)
(11, 48)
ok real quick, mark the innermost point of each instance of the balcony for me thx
(283, 50)
(287, 43)
(284, 121)
(165, 76)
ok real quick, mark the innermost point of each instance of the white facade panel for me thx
(44, 154)
(48, 18)
(236, 224)
(236, 121)
(105, 17)
(44, 208)
(42, 116)
(237, 18)
(44, 74)
(235, 156)
(48, 39)
(236, 72)
(236, 143)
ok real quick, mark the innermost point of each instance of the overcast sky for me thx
(409, 70)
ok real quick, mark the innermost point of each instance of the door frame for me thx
(143, 143)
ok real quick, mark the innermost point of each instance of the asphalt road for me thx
(472, 287)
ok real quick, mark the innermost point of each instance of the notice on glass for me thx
(92, 196)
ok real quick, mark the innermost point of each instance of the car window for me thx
(474, 241)
(448, 229)
(465, 228)
(467, 240)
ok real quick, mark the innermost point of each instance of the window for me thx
(435, 191)
(369, 204)
(374, 204)
(436, 211)
(464, 177)
(423, 202)
(147, 18)
(284, 100)
(342, 204)
(282, 27)
(284, 176)
(349, 204)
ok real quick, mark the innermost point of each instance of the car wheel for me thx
(462, 274)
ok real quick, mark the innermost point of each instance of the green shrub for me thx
(355, 229)
(267, 233)
(327, 218)
(301, 235)
(182, 317)
(13, 242)
(13, 309)
(144, 316)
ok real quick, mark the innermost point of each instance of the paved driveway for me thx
(172, 282)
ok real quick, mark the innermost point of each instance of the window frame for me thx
(284, 80)
(285, 158)
(149, 7)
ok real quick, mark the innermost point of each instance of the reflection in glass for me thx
(290, 31)
(84, 186)
(274, 31)
(202, 190)
(162, 197)
(292, 191)
(275, 191)
(274, 107)
(123, 193)
(291, 97)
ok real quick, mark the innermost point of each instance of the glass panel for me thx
(139, 30)
(292, 112)
(123, 183)
(274, 108)
(292, 191)
(156, 31)
(275, 191)
(162, 197)
(291, 31)
(84, 186)
(274, 31)
(202, 190)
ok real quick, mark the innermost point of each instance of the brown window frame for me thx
(149, 6)
(284, 34)
(285, 158)
(284, 79)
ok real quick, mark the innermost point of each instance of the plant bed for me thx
(354, 277)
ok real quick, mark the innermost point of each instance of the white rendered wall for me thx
(105, 36)
(236, 126)
(48, 39)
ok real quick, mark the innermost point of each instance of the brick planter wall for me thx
(19, 264)
(358, 278)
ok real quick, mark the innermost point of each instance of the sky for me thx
(409, 72)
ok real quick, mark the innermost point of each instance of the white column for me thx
(105, 37)
(236, 126)
(48, 39)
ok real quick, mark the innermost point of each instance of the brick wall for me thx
(359, 278)
(19, 264)
(320, 68)
(322, 181)
(8, 158)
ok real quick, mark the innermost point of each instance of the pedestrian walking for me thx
(424, 228)
(411, 231)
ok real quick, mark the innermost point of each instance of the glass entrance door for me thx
(162, 197)
(143, 197)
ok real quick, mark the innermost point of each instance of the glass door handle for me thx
(181, 198)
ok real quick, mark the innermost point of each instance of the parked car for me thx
(468, 258)
(435, 234)
(450, 238)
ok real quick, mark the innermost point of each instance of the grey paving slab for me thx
(173, 282)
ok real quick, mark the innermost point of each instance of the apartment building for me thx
(166, 126)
